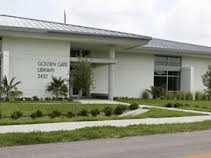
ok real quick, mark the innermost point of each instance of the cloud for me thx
(183, 20)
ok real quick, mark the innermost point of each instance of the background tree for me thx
(9, 89)
(206, 78)
(57, 87)
(82, 77)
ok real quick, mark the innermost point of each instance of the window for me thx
(167, 72)
(0, 58)
(78, 52)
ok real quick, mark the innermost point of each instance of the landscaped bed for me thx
(33, 113)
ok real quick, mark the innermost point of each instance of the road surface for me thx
(182, 145)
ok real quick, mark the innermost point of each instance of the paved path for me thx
(182, 145)
(176, 109)
(116, 123)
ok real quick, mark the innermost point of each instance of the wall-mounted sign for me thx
(47, 67)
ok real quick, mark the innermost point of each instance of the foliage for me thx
(206, 78)
(70, 114)
(36, 114)
(200, 96)
(156, 92)
(55, 113)
(0, 115)
(8, 89)
(82, 77)
(83, 112)
(108, 111)
(57, 87)
(133, 106)
(35, 98)
(189, 96)
(145, 95)
(120, 109)
(16, 115)
(95, 112)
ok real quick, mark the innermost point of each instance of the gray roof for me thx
(13, 22)
(176, 46)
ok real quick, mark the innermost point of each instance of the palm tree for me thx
(9, 88)
(57, 87)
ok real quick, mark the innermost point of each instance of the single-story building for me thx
(123, 64)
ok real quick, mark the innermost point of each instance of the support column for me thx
(5, 64)
(111, 75)
(70, 76)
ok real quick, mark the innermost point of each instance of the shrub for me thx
(35, 98)
(108, 111)
(156, 92)
(145, 95)
(0, 115)
(36, 114)
(134, 106)
(16, 115)
(27, 99)
(170, 95)
(169, 105)
(200, 96)
(120, 109)
(70, 114)
(55, 113)
(95, 112)
(189, 96)
(83, 112)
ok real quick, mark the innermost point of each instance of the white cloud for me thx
(183, 20)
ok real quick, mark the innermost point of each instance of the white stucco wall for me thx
(199, 67)
(24, 57)
(134, 73)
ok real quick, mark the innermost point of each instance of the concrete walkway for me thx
(176, 109)
(115, 123)
(99, 101)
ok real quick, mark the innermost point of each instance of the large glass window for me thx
(167, 72)
(0, 59)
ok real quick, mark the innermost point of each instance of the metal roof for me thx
(177, 46)
(13, 22)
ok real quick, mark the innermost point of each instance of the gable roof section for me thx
(159, 44)
(13, 22)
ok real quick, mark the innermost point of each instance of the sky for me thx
(179, 20)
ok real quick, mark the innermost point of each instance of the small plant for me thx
(16, 115)
(95, 112)
(70, 114)
(189, 96)
(83, 112)
(169, 105)
(134, 106)
(120, 109)
(55, 113)
(156, 92)
(108, 111)
(36, 114)
(35, 98)
(145, 95)
(0, 115)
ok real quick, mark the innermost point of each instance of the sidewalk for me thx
(49, 127)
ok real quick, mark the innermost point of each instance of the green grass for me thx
(29, 107)
(152, 113)
(193, 105)
(97, 132)
(159, 113)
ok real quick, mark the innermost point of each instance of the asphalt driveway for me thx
(180, 145)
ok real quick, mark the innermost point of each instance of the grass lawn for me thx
(28, 108)
(190, 104)
(97, 132)
(152, 113)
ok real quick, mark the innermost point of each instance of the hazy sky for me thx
(182, 20)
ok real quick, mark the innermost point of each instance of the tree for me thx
(9, 89)
(82, 77)
(206, 78)
(57, 87)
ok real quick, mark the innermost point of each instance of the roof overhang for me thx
(118, 41)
